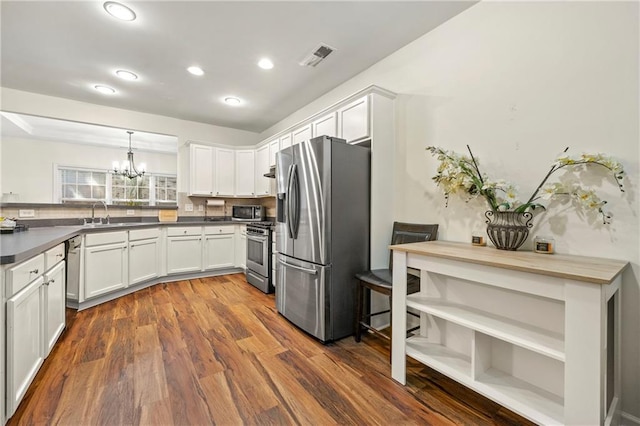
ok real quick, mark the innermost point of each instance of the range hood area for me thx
(272, 172)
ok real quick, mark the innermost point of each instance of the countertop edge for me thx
(74, 230)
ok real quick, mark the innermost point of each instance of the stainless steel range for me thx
(258, 271)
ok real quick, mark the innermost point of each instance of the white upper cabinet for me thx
(353, 120)
(285, 141)
(212, 171)
(224, 172)
(201, 170)
(301, 134)
(274, 147)
(263, 184)
(245, 173)
(326, 125)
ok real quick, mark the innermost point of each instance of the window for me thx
(130, 191)
(86, 185)
(166, 189)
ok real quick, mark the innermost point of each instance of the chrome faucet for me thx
(93, 212)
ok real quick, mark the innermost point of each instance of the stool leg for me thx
(359, 303)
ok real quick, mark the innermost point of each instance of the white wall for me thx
(518, 82)
(27, 165)
(48, 106)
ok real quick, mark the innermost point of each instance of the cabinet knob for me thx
(185, 232)
(35, 271)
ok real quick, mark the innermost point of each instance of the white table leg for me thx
(399, 317)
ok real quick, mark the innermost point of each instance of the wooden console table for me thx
(539, 334)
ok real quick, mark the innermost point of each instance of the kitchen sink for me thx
(103, 225)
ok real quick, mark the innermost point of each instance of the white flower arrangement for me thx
(461, 174)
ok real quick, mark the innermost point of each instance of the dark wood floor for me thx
(215, 351)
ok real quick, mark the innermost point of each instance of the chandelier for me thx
(128, 168)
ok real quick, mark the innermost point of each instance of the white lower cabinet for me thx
(143, 260)
(219, 251)
(105, 269)
(35, 319)
(54, 303)
(25, 321)
(184, 254)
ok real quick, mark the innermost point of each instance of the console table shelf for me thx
(534, 338)
(538, 334)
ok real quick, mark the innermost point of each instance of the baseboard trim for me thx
(630, 419)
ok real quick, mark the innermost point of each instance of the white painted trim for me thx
(629, 419)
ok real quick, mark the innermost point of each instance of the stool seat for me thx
(383, 279)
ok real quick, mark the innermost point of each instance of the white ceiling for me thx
(64, 48)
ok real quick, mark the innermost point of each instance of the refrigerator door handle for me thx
(288, 201)
(295, 186)
(299, 268)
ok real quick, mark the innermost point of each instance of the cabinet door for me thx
(326, 125)
(184, 254)
(263, 184)
(301, 134)
(285, 141)
(105, 269)
(143, 260)
(54, 303)
(219, 251)
(224, 171)
(24, 341)
(245, 173)
(353, 120)
(274, 147)
(201, 170)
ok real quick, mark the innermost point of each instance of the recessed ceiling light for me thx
(105, 90)
(119, 11)
(195, 70)
(232, 100)
(265, 64)
(126, 75)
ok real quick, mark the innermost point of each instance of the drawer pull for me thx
(35, 271)
(59, 255)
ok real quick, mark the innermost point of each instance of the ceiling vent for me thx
(317, 56)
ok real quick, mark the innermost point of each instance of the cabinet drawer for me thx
(215, 230)
(105, 238)
(20, 275)
(143, 234)
(53, 256)
(176, 231)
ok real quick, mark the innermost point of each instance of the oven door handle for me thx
(257, 239)
(299, 268)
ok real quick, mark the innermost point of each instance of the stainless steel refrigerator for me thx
(322, 233)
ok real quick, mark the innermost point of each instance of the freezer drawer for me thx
(301, 295)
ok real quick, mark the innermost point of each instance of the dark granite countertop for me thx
(21, 246)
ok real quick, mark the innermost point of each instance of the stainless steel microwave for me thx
(248, 213)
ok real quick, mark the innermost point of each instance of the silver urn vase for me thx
(508, 230)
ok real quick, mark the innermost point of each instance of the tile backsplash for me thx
(198, 208)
